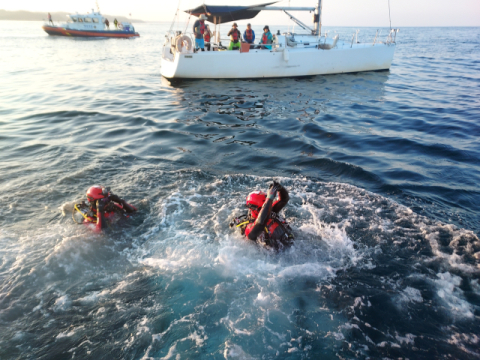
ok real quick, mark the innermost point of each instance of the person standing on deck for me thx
(249, 34)
(207, 37)
(235, 38)
(107, 23)
(199, 31)
(50, 19)
(116, 23)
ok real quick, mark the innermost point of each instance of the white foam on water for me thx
(94, 297)
(468, 343)
(67, 207)
(407, 339)
(19, 335)
(198, 338)
(62, 303)
(448, 290)
(259, 292)
(69, 333)
(454, 259)
(171, 352)
(408, 295)
(321, 247)
(233, 351)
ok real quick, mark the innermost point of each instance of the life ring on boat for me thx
(183, 41)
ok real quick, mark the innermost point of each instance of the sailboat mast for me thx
(317, 18)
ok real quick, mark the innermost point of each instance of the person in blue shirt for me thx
(199, 31)
(249, 34)
(267, 39)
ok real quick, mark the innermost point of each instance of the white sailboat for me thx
(291, 54)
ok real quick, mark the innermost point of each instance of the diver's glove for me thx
(101, 204)
(275, 183)
(237, 220)
(234, 222)
(273, 189)
(128, 208)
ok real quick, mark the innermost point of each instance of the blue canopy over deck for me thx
(223, 14)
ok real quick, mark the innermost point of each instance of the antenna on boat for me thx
(98, 6)
(176, 17)
(389, 17)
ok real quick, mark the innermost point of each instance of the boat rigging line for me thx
(175, 17)
(295, 20)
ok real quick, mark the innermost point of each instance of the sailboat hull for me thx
(280, 63)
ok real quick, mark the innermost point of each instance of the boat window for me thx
(95, 20)
(74, 19)
(80, 20)
(87, 20)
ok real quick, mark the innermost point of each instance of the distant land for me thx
(23, 15)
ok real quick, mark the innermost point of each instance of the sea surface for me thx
(382, 168)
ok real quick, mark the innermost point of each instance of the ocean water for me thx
(382, 168)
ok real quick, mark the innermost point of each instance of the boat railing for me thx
(392, 36)
(281, 42)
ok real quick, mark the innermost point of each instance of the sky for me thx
(335, 12)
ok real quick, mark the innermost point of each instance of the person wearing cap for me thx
(235, 38)
(267, 38)
(199, 30)
(249, 34)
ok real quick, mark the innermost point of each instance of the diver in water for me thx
(104, 204)
(263, 222)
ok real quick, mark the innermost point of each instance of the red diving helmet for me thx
(255, 202)
(96, 193)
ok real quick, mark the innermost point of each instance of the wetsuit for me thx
(107, 205)
(269, 223)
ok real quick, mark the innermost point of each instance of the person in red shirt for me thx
(207, 36)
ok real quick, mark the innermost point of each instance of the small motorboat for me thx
(90, 25)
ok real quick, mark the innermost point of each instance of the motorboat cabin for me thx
(91, 25)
